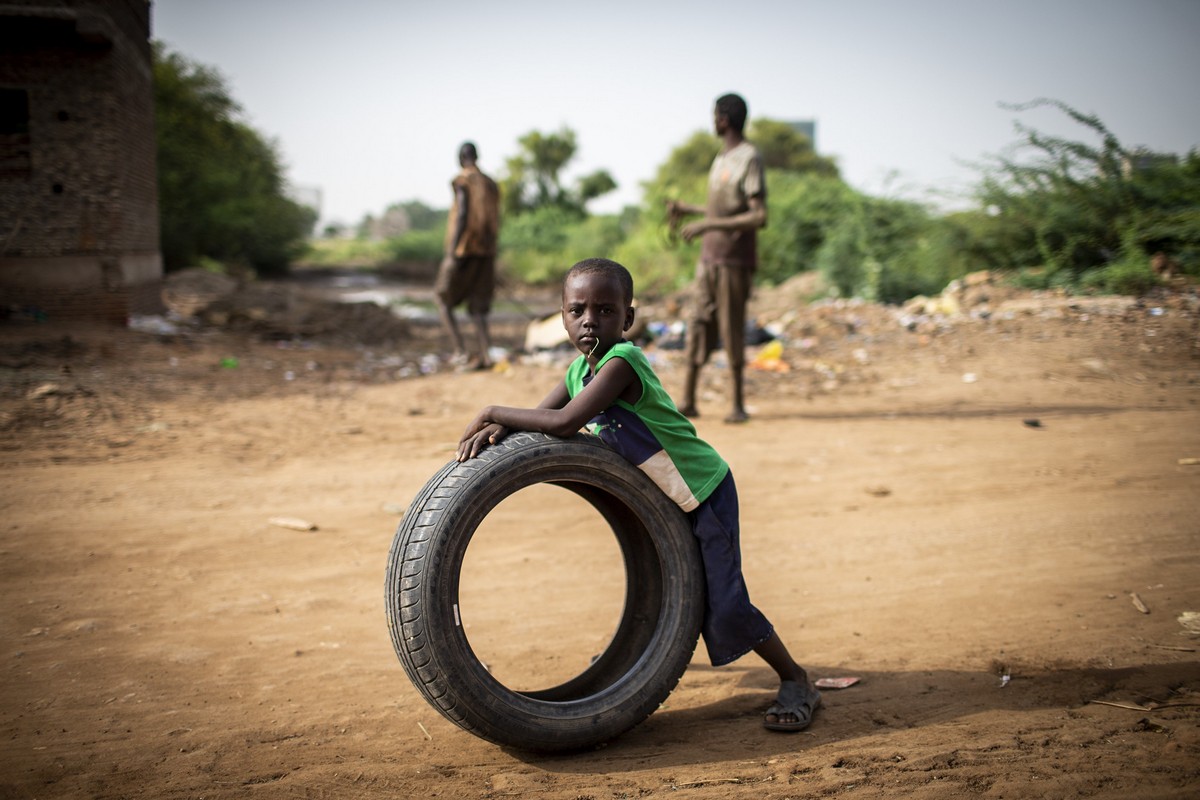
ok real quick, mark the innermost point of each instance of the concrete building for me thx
(78, 187)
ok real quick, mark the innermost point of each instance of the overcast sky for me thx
(368, 100)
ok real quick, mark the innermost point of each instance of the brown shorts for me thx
(719, 297)
(471, 279)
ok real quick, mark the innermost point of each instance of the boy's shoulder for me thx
(625, 347)
(637, 359)
(631, 353)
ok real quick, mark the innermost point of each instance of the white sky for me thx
(369, 100)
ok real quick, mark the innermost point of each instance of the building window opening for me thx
(15, 148)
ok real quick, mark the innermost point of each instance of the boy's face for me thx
(595, 313)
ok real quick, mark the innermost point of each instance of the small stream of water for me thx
(410, 300)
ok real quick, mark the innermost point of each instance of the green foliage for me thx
(532, 245)
(982, 239)
(1078, 216)
(414, 247)
(422, 217)
(889, 250)
(221, 186)
(538, 247)
(785, 148)
(658, 260)
(417, 246)
(346, 253)
(593, 185)
(532, 181)
(1127, 276)
(409, 248)
(1090, 215)
(921, 260)
(334, 230)
(542, 229)
(658, 263)
(802, 210)
(1131, 273)
(684, 172)
(596, 236)
(845, 257)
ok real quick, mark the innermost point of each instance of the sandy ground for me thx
(903, 523)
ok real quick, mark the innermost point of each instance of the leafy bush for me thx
(412, 247)
(1133, 276)
(417, 246)
(345, 253)
(221, 188)
(889, 250)
(533, 244)
(659, 263)
(802, 211)
(1090, 215)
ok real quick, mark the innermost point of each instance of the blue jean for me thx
(732, 625)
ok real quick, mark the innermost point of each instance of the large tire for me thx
(654, 641)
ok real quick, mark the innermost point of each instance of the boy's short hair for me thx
(606, 267)
(733, 107)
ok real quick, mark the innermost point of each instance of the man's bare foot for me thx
(689, 411)
(737, 415)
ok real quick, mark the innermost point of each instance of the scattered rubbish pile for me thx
(828, 341)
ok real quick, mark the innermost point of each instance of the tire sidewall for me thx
(466, 692)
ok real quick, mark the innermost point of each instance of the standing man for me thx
(736, 209)
(468, 270)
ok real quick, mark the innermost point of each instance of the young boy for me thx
(613, 385)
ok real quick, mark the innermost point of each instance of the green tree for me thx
(593, 185)
(533, 178)
(422, 217)
(684, 172)
(785, 148)
(221, 188)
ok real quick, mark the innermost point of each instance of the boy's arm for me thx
(482, 432)
(558, 415)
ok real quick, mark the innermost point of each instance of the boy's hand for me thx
(478, 436)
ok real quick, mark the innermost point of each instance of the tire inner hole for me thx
(542, 588)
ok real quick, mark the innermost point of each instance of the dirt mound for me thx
(190, 291)
(276, 310)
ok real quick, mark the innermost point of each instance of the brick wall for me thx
(115, 306)
(87, 205)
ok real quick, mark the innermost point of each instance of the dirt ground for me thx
(991, 521)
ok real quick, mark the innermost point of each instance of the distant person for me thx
(468, 270)
(1163, 265)
(613, 387)
(736, 209)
